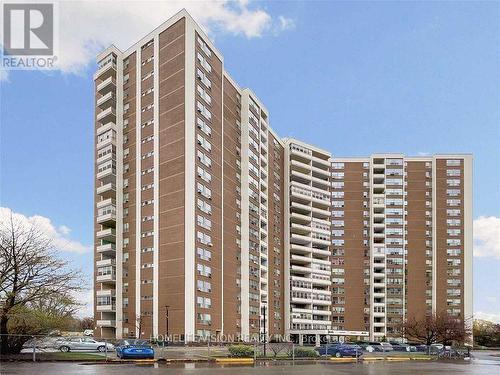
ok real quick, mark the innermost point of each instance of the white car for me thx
(88, 332)
(83, 343)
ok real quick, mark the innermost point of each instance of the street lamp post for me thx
(166, 316)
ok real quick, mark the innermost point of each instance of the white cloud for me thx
(87, 27)
(86, 299)
(487, 237)
(487, 316)
(58, 235)
(286, 23)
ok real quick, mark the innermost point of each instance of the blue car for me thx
(134, 349)
(339, 350)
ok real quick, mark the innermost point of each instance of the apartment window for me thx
(147, 139)
(453, 182)
(203, 286)
(204, 206)
(453, 242)
(204, 318)
(204, 47)
(146, 234)
(203, 78)
(453, 222)
(453, 232)
(147, 155)
(147, 202)
(204, 63)
(148, 75)
(205, 239)
(453, 162)
(204, 254)
(203, 190)
(204, 95)
(147, 187)
(204, 270)
(146, 171)
(204, 222)
(204, 143)
(337, 165)
(203, 126)
(147, 108)
(148, 91)
(146, 249)
(204, 175)
(337, 184)
(147, 218)
(204, 159)
(204, 302)
(453, 172)
(453, 212)
(147, 265)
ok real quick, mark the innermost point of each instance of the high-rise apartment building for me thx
(208, 223)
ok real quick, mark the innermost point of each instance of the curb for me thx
(235, 360)
(343, 360)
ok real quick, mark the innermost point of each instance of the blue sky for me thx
(351, 77)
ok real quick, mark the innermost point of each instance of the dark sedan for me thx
(339, 350)
(134, 349)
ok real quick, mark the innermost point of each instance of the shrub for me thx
(302, 352)
(241, 351)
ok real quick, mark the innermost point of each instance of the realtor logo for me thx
(30, 35)
(28, 29)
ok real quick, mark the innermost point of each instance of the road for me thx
(484, 364)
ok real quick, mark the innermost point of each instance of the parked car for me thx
(401, 347)
(83, 343)
(419, 347)
(339, 350)
(386, 347)
(132, 348)
(374, 347)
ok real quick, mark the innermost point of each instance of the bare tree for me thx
(30, 272)
(86, 323)
(434, 328)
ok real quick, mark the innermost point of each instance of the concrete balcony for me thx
(300, 249)
(321, 302)
(106, 86)
(107, 176)
(106, 308)
(107, 190)
(300, 239)
(106, 323)
(109, 248)
(322, 312)
(106, 142)
(320, 213)
(299, 218)
(300, 269)
(301, 208)
(106, 293)
(107, 278)
(105, 127)
(105, 262)
(108, 234)
(108, 218)
(302, 301)
(109, 114)
(299, 259)
(301, 229)
(106, 100)
(106, 69)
